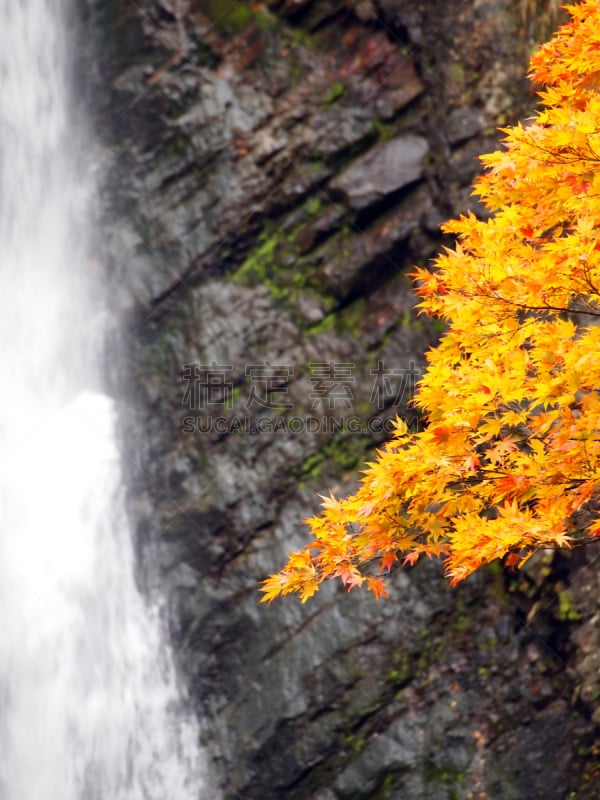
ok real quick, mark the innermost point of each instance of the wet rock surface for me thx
(382, 171)
(274, 171)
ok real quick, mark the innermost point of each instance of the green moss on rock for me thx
(226, 16)
(336, 91)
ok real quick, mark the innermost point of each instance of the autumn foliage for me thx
(509, 460)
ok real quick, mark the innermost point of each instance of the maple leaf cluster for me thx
(509, 461)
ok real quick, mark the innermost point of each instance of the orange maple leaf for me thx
(377, 586)
(411, 558)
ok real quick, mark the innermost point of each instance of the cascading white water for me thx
(87, 691)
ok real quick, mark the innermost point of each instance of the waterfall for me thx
(89, 707)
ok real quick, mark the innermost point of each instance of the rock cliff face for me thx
(274, 170)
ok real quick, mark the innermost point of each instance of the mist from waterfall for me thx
(89, 708)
